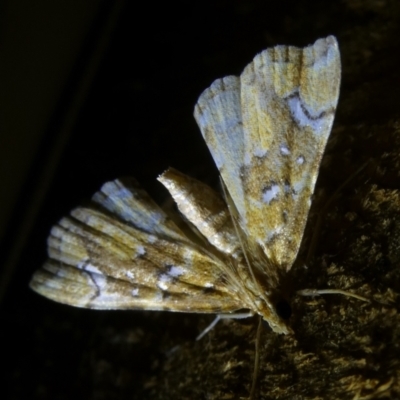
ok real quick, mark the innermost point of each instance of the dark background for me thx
(98, 90)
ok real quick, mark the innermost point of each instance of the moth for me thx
(266, 131)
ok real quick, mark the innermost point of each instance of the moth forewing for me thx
(277, 122)
(267, 132)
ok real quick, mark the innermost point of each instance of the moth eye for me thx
(283, 309)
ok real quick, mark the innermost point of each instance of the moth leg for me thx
(318, 292)
(224, 316)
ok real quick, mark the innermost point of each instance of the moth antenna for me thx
(321, 215)
(256, 359)
(228, 202)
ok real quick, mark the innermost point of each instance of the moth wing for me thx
(218, 113)
(204, 208)
(288, 98)
(122, 252)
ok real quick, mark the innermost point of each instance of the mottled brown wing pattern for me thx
(267, 132)
(123, 252)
